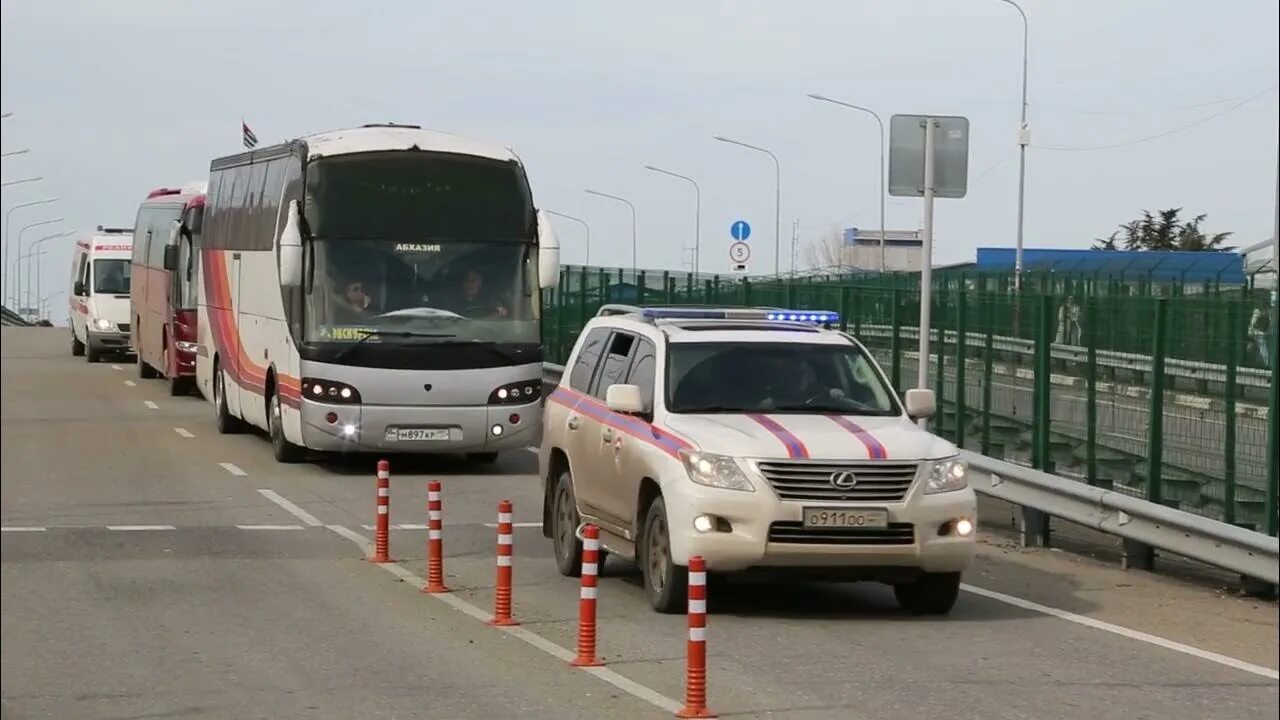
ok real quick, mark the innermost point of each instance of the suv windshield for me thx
(775, 378)
(111, 277)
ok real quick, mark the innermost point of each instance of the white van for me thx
(100, 271)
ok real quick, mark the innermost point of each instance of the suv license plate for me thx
(414, 434)
(818, 517)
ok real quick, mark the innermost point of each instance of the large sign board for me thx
(950, 155)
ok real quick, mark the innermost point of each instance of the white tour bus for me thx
(99, 299)
(374, 289)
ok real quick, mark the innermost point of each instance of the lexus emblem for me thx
(843, 480)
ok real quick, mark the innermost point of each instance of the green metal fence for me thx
(1073, 375)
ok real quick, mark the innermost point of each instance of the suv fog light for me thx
(703, 523)
(349, 430)
(496, 430)
(964, 527)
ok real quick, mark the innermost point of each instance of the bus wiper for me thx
(488, 345)
(386, 333)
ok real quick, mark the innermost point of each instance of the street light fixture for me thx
(880, 122)
(597, 193)
(585, 226)
(11, 153)
(697, 212)
(1024, 139)
(8, 252)
(777, 199)
(34, 244)
(7, 183)
(16, 277)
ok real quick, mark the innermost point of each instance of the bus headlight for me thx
(516, 393)
(329, 391)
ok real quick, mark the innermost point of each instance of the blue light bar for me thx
(817, 317)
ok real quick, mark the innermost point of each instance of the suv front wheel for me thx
(665, 583)
(564, 527)
(930, 594)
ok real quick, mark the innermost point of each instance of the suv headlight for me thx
(946, 476)
(103, 324)
(717, 471)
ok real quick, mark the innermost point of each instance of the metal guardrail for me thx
(1190, 369)
(1249, 553)
(1252, 554)
(10, 318)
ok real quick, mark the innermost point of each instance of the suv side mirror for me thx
(78, 289)
(921, 404)
(170, 257)
(624, 399)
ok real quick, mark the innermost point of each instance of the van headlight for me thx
(947, 475)
(103, 324)
(717, 471)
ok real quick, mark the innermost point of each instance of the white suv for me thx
(759, 439)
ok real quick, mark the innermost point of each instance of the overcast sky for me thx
(116, 98)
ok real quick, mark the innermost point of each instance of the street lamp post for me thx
(634, 264)
(22, 304)
(17, 292)
(585, 227)
(8, 251)
(697, 213)
(28, 284)
(1024, 138)
(777, 200)
(880, 122)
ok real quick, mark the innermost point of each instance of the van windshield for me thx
(111, 277)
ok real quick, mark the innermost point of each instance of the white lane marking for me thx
(233, 469)
(517, 525)
(116, 367)
(184, 432)
(624, 684)
(292, 509)
(269, 527)
(130, 383)
(151, 405)
(22, 529)
(1126, 632)
(143, 528)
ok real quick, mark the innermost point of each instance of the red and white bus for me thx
(163, 290)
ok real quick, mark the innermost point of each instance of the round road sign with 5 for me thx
(739, 252)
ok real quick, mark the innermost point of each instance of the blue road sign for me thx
(740, 230)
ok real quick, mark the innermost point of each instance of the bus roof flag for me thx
(250, 140)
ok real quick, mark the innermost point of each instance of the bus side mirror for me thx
(291, 249)
(78, 288)
(548, 253)
(171, 257)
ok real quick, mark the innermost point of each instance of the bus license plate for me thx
(417, 434)
(819, 517)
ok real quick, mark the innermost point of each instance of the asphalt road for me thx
(154, 569)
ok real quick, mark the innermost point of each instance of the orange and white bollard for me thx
(695, 679)
(382, 527)
(587, 599)
(502, 585)
(435, 540)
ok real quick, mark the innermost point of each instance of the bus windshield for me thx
(455, 291)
